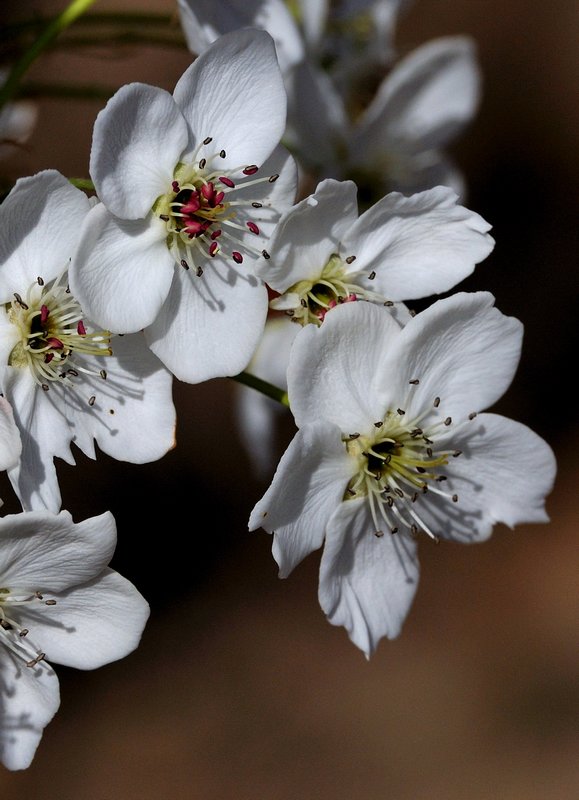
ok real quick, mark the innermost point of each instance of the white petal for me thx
(122, 271)
(309, 233)
(29, 699)
(426, 100)
(307, 487)
(40, 221)
(210, 325)
(461, 349)
(92, 624)
(418, 245)
(132, 417)
(203, 21)
(367, 583)
(137, 142)
(10, 442)
(332, 369)
(46, 552)
(234, 93)
(45, 434)
(317, 120)
(503, 475)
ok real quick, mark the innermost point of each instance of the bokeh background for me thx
(240, 689)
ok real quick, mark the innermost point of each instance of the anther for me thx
(400, 411)
(203, 163)
(372, 275)
(378, 424)
(199, 272)
(227, 182)
(448, 421)
(265, 254)
(399, 491)
(250, 170)
(92, 400)
(394, 530)
(273, 178)
(353, 436)
(184, 264)
(45, 387)
(472, 415)
(164, 217)
(255, 204)
(379, 534)
(414, 382)
(455, 498)
(237, 257)
(457, 453)
(253, 227)
(50, 602)
(388, 303)
(436, 402)
(222, 154)
(175, 186)
(40, 281)
(208, 140)
(350, 259)
(20, 301)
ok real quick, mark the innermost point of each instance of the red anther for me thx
(208, 191)
(227, 182)
(55, 343)
(218, 199)
(253, 227)
(175, 186)
(196, 228)
(213, 247)
(251, 170)
(216, 233)
(48, 357)
(192, 205)
(237, 257)
(80, 329)
(44, 312)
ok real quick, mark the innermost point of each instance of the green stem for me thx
(263, 386)
(50, 32)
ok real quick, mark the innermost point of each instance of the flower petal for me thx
(122, 271)
(29, 699)
(40, 221)
(424, 103)
(461, 349)
(307, 487)
(92, 624)
(309, 233)
(419, 245)
(367, 583)
(10, 441)
(203, 21)
(234, 93)
(503, 475)
(138, 140)
(210, 324)
(338, 363)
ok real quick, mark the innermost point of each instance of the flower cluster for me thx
(266, 222)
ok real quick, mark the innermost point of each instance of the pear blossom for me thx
(66, 380)
(401, 248)
(59, 603)
(400, 138)
(191, 185)
(391, 446)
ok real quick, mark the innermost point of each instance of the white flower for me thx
(191, 185)
(389, 446)
(398, 140)
(10, 442)
(401, 248)
(59, 603)
(65, 380)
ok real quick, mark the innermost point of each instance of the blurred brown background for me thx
(240, 689)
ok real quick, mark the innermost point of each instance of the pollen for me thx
(52, 335)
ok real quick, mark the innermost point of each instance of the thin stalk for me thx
(50, 32)
(262, 386)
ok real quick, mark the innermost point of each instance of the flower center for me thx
(397, 465)
(52, 331)
(308, 301)
(209, 211)
(12, 634)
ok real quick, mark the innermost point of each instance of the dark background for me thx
(240, 689)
